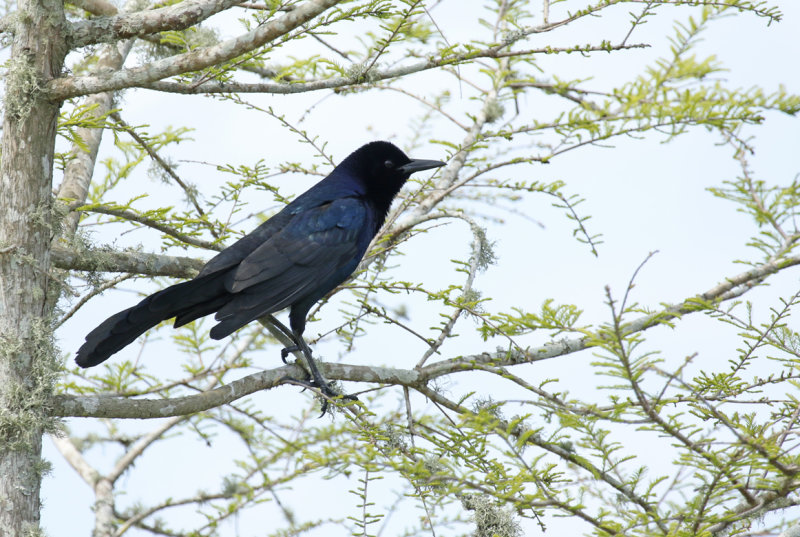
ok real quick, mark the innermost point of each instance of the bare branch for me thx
(111, 407)
(167, 230)
(96, 7)
(146, 264)
(66, 87)
(87, 297)
(200, 498)
(75, 459)
(80, 168)
(496, 51)
(730, 288)
(192, 197)
(138, 448)
(120, 407)
(478, 246)
(174, 17)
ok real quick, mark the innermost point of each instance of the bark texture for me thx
(27, 356)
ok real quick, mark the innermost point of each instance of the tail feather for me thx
(185, 317)
(232, 323)
(188, 300)
(102, 342)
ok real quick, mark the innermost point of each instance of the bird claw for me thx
(315, 379)
(288, 350)
(325, 389)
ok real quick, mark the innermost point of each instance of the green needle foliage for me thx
(479, 430)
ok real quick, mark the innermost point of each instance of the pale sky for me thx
(643, 195)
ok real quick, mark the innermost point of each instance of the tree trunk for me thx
(28, 360)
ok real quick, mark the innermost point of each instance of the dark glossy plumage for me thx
(292, 260)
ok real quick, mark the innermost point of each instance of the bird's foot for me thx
(315, 379)
(326, 391)
(288, 350)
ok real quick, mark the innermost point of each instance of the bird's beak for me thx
(419, 165)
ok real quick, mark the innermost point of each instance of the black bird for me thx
(292, 260)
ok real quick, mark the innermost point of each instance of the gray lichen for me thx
(23, 86)
(491, 520)
(25, 404)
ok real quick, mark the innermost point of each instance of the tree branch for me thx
(494, 52)
(96, 7)
(730, 288)
(75, 459)
(80, 168)
(66, 87)
(146, 264)
(168, 169)
(120, 407)
(175, 17)
(149, 222)
(138, 448)
(114, 407)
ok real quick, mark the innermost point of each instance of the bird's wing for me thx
(239, 250)
(324, 192)
(311, 254)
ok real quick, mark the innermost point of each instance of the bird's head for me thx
(382, 169)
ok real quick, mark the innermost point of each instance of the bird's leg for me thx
(318, 381)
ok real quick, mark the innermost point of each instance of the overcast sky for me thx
(643, 195)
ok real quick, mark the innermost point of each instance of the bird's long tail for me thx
(183, 300)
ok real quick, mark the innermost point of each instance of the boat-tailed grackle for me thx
(290, 261)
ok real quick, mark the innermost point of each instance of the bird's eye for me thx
(389, 164)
